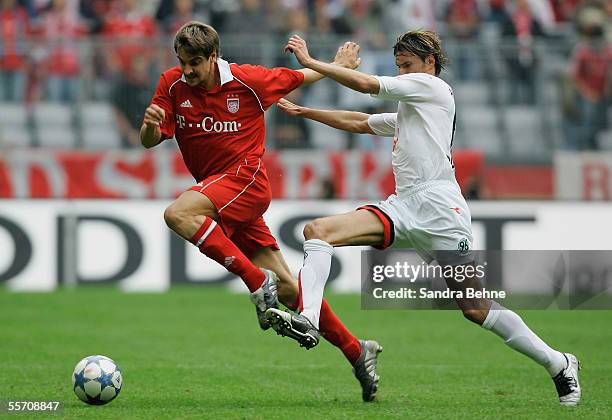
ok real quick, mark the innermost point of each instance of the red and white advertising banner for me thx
(138, 174)
(46, 244)
(583, 176)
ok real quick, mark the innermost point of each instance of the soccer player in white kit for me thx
(427, 211)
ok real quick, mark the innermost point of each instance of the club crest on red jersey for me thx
(233, 105)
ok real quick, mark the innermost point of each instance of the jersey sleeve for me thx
(383, 124)
(271, 84)
(415, 87)
(163, 99)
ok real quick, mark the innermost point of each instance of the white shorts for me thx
(433, 218)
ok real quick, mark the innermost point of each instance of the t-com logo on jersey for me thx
(210, 125)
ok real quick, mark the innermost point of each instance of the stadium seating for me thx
(478, 127)
(524, 127)
(54, 125)
(98, 126)
(471, 93)
(14, 131)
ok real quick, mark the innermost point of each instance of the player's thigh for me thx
(272, 259)
(186, 214)
(193, 203)
(359, 227)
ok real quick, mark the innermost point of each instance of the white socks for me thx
(517, 335)
(313, 276)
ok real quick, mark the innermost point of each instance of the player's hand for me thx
(290, 108)
(348, 55)
(154, 116)
(298, 47)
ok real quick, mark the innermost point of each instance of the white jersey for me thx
(423, 128)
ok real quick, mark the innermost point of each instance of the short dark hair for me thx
(197, 38)
(422, 44)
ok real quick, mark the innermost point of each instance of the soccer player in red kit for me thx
(216, 112)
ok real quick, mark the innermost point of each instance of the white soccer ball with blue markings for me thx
(97, 380)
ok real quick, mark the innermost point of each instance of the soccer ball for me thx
(96, 380)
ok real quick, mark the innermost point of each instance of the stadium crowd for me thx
(74, 51)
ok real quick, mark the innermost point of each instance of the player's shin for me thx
(213, 243)
(334, 331)
(517, 335)
(313, 276)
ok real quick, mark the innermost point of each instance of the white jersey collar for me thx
(225, 73)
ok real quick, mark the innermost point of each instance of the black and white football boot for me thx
(265, 297)
(567, 383)
(365, 369)
(294, 326)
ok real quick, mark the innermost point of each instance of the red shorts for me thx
(241, 197)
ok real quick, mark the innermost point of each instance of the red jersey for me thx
(14, 29)
(218, 129)
(591, 67)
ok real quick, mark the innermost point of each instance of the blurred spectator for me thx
(336, 14)
(544, 14)
(172, 14)
(498, 13)
(290, 132)
(521, 28)
(60, 29)
(463, 19)
(93, 12)
(14, 29)
(400, 16)
(131, 95)
(591, 69)
(565, 10)
(248, 22)
(128, 32)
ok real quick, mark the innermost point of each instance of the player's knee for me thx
(477, 316)
(315, 230)
(174, 216)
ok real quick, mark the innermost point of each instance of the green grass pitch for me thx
(197, 352)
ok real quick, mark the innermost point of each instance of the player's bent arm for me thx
(150, 135)
(346, 56)
(353, 79)
(355, 122)
(150, 132)
(310, 76)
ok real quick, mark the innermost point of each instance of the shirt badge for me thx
(233, 105)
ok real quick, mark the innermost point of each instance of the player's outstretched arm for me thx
(347, 56)
(150, 132)
(355, 122)
(353, 79)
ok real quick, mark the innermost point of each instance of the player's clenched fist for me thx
(154, 115)
(348, 55)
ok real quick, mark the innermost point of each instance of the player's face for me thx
(410, 63)
(197, 69)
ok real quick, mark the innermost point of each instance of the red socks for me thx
(213, 243)
(336, 333)
(334, 330)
